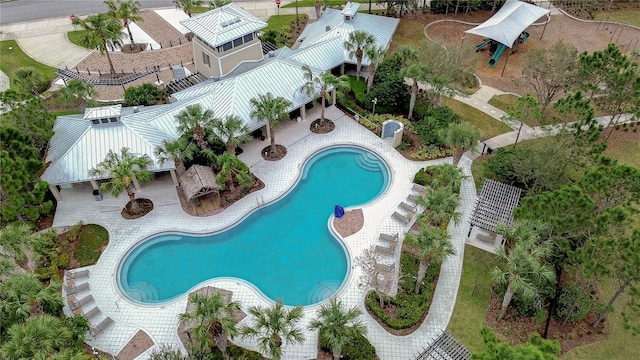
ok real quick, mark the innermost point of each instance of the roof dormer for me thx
(103, 115)
(350, 10)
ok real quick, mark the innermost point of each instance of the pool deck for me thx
(160, 322)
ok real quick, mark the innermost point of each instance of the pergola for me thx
(495, 205)
(198, 181)
(445, 347)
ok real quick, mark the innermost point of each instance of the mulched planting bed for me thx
(145, 205)
(319, 127)
(280, 153)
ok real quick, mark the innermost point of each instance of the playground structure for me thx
(496, 49)
(507, 28)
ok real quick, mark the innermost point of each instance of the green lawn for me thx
(13, 58)
(620, 345)
(631, 17)
(477, 170)
(504, 102)
(277, 22)
(90, 244)
(469, 312)
(74, 38)
(488, 126)
(626, 148)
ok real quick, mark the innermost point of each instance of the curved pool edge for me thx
(304, 164)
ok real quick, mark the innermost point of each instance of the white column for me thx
(136, 184)
(174, 177)
(342, 69)
(333, 97)
(55, 192)
(303, 112)
(94, 184)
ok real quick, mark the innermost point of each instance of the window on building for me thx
(95, 122)
(205, 59)
(104, 120)
(113, 119)
(227, 46)
(237, 42)
(248, 38)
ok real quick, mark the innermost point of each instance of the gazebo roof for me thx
(495, 205)
(198, 180)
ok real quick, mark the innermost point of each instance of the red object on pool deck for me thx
(277, 2)
(72, 17)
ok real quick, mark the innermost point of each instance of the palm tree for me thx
(357, 42)
(121, 169)
(214, 319)
(187, 5)
(178, 150)
(271, 109)
(24, 295)
(127, 11)
(434, 245)
(77, 89)
(193, 119)
(28, 80)
(406, 55)
(338, 326)
(39, 337)
(441, 203)
(417, 73)
(14, 239)
(447, 175)
(318, 85)
(218, 3)
(101, 31)
(232, 131)
(273, 327)
(526, 268)
(376, 55)
(461, 137)
(229, 170)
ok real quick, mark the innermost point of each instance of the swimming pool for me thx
(285, 250)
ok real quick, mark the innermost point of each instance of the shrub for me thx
(145, 94)
(433, 121)
(500, 165)
(392, 95)
(444, 6)
(429, 152)
(358, 348)
(409, 307)
(422, 177)
(573, 299)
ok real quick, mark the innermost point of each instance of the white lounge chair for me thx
(385, 267)
(100, 327)
(387, 237)
(403, 219)
(418, 188)
(384, 250)
(408, 207)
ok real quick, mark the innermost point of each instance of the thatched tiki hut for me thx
(199, 181)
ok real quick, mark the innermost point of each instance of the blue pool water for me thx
(286, 249)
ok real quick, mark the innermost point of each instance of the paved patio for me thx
(161, 321)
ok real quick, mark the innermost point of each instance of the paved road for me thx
(28, 10)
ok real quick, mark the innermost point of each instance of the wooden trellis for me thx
(445, 347)
(495, 205)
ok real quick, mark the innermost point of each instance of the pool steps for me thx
(323, 291)
(369, 162)
(143, 291)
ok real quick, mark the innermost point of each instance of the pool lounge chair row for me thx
(72, 289)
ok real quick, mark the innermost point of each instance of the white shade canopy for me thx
(509, 22)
